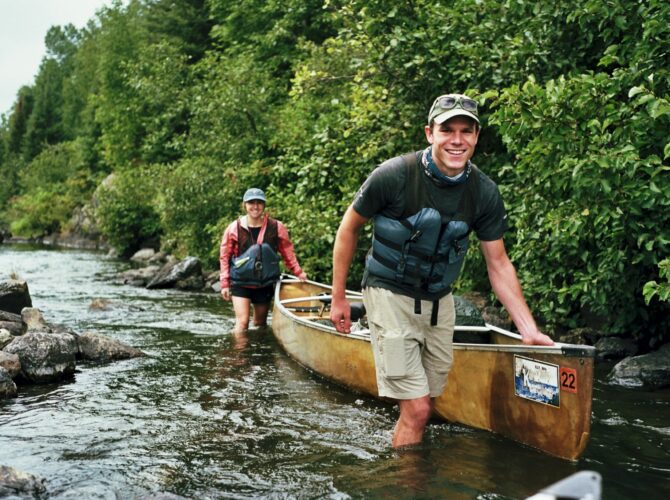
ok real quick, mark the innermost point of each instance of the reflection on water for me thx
(209, 414)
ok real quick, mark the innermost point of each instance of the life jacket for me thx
(424, 250)
(257, 264)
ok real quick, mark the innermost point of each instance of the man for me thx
(424, 206)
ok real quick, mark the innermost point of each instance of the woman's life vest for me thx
(425, 250)
(257, 264)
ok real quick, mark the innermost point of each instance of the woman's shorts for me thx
(412, 358)
(256, 295)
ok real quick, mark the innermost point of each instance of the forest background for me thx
(187, 103)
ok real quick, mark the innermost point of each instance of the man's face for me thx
(453, 143)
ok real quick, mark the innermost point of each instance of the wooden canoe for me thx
(536, 395)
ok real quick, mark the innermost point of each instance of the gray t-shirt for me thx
(383, 193)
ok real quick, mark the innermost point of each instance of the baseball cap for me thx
(449, 105)
(254, 194)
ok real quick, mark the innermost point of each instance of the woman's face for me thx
(254, 208)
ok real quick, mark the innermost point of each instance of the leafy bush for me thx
(661, 290)
(588, 195)
(126, 210)
(53, 184)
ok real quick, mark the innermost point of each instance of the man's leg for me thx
(414, 415)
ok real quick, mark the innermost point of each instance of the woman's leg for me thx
(261, 314)
(241, 307)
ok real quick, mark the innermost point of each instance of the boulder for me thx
(14, 328)
(17, 484)
(139, 277)
(651, 370)
(11, 363)
(9, 316)
(14, 296)
(213, 281)
(160, 258)
(467, 313)
(587, 336)
(615, 348)
(143, 255)
(496, 317)
(45, 357)
(185, 275)
(101, 305)
(5, 337)
(7, 390)
(12, 323)
(34, 320)
(96, 347)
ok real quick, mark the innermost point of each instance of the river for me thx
(206, 415)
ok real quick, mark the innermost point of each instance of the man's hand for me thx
(302, 276)
(340, 314)
(225, 293)
(536, 338)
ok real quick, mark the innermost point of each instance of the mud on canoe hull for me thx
(539, 396)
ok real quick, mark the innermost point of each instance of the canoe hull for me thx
(535, 395)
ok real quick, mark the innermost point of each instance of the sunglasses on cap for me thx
(447, 102)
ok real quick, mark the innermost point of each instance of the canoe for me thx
(540, 396)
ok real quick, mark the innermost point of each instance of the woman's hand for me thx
(225, 293)
(302, 276)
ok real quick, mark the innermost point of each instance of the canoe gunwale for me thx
(570, 350)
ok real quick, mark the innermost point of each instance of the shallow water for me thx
(209, 415)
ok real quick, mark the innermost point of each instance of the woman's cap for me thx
(254, 194)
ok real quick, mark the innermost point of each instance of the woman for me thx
(250, 263)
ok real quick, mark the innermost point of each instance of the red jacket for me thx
(229, 247)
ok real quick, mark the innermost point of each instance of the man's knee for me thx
(416, 411)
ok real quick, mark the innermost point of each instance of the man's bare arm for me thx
(343, 254)
(507, 288)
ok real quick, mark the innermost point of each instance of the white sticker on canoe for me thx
(536, 381)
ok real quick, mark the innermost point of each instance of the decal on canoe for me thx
(569, 379)
(536, 381)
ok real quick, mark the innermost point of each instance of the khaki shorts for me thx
(412, 358)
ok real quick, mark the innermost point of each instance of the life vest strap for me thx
(412, 251)
(433, 314)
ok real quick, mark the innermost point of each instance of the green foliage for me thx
(661, 290)
(118, 41)
(190, 102)
(199, 196)
(126, 209)
(39, 213)
(52, 185)
(589, 195)
(18, 121)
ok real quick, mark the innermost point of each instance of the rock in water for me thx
(7, 385)
(14, 296)
(17, 484)
(45, 357)
(96, 347)
(186, 274)
(651, 370)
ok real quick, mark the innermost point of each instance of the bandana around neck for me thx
(434, 173)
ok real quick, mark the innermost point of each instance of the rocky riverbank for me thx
(36, 352)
